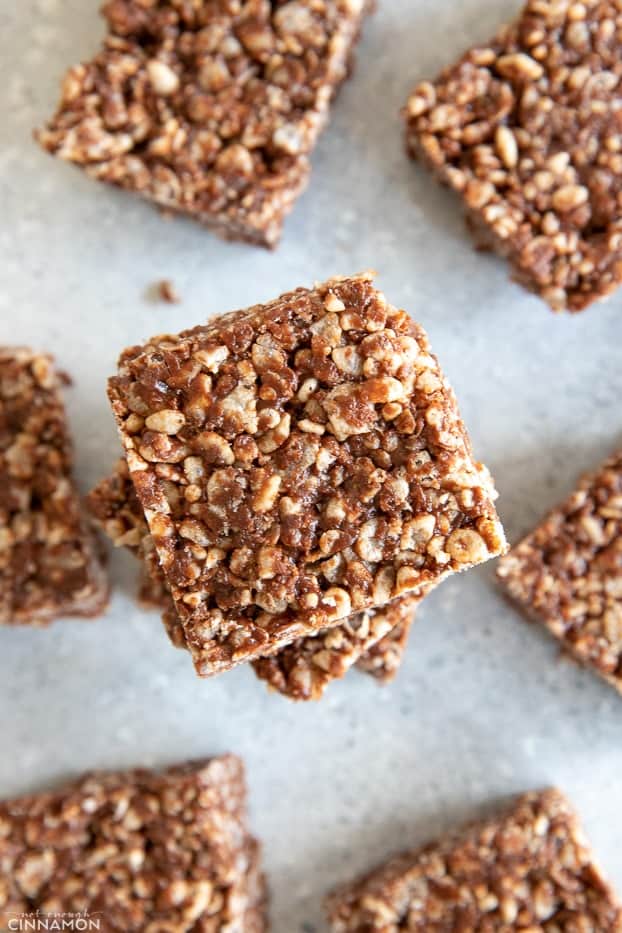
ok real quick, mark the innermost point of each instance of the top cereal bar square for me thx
(528, 129)
(297, 462)
(208, 109)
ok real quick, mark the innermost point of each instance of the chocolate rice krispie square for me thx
(567, 574)
(298, 462)
(527, 129)
(49, 558)
(527, 869)
(208, 109)
(135, 851)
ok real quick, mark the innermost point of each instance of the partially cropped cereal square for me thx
(153, 851)
(49, 558)
(298, 462)
(567, 573)
(527, 130)
(529, 868)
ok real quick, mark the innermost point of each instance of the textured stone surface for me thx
(541, 397)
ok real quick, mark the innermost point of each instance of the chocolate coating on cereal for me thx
(527, 869)
(137, 851)
(567, 574)
(49, 559)
(375, 640)
(527, 130)
(298, 462)
(208, 109)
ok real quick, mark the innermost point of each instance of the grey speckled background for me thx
(483, 707)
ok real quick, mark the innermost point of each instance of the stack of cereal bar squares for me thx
(297, 478)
